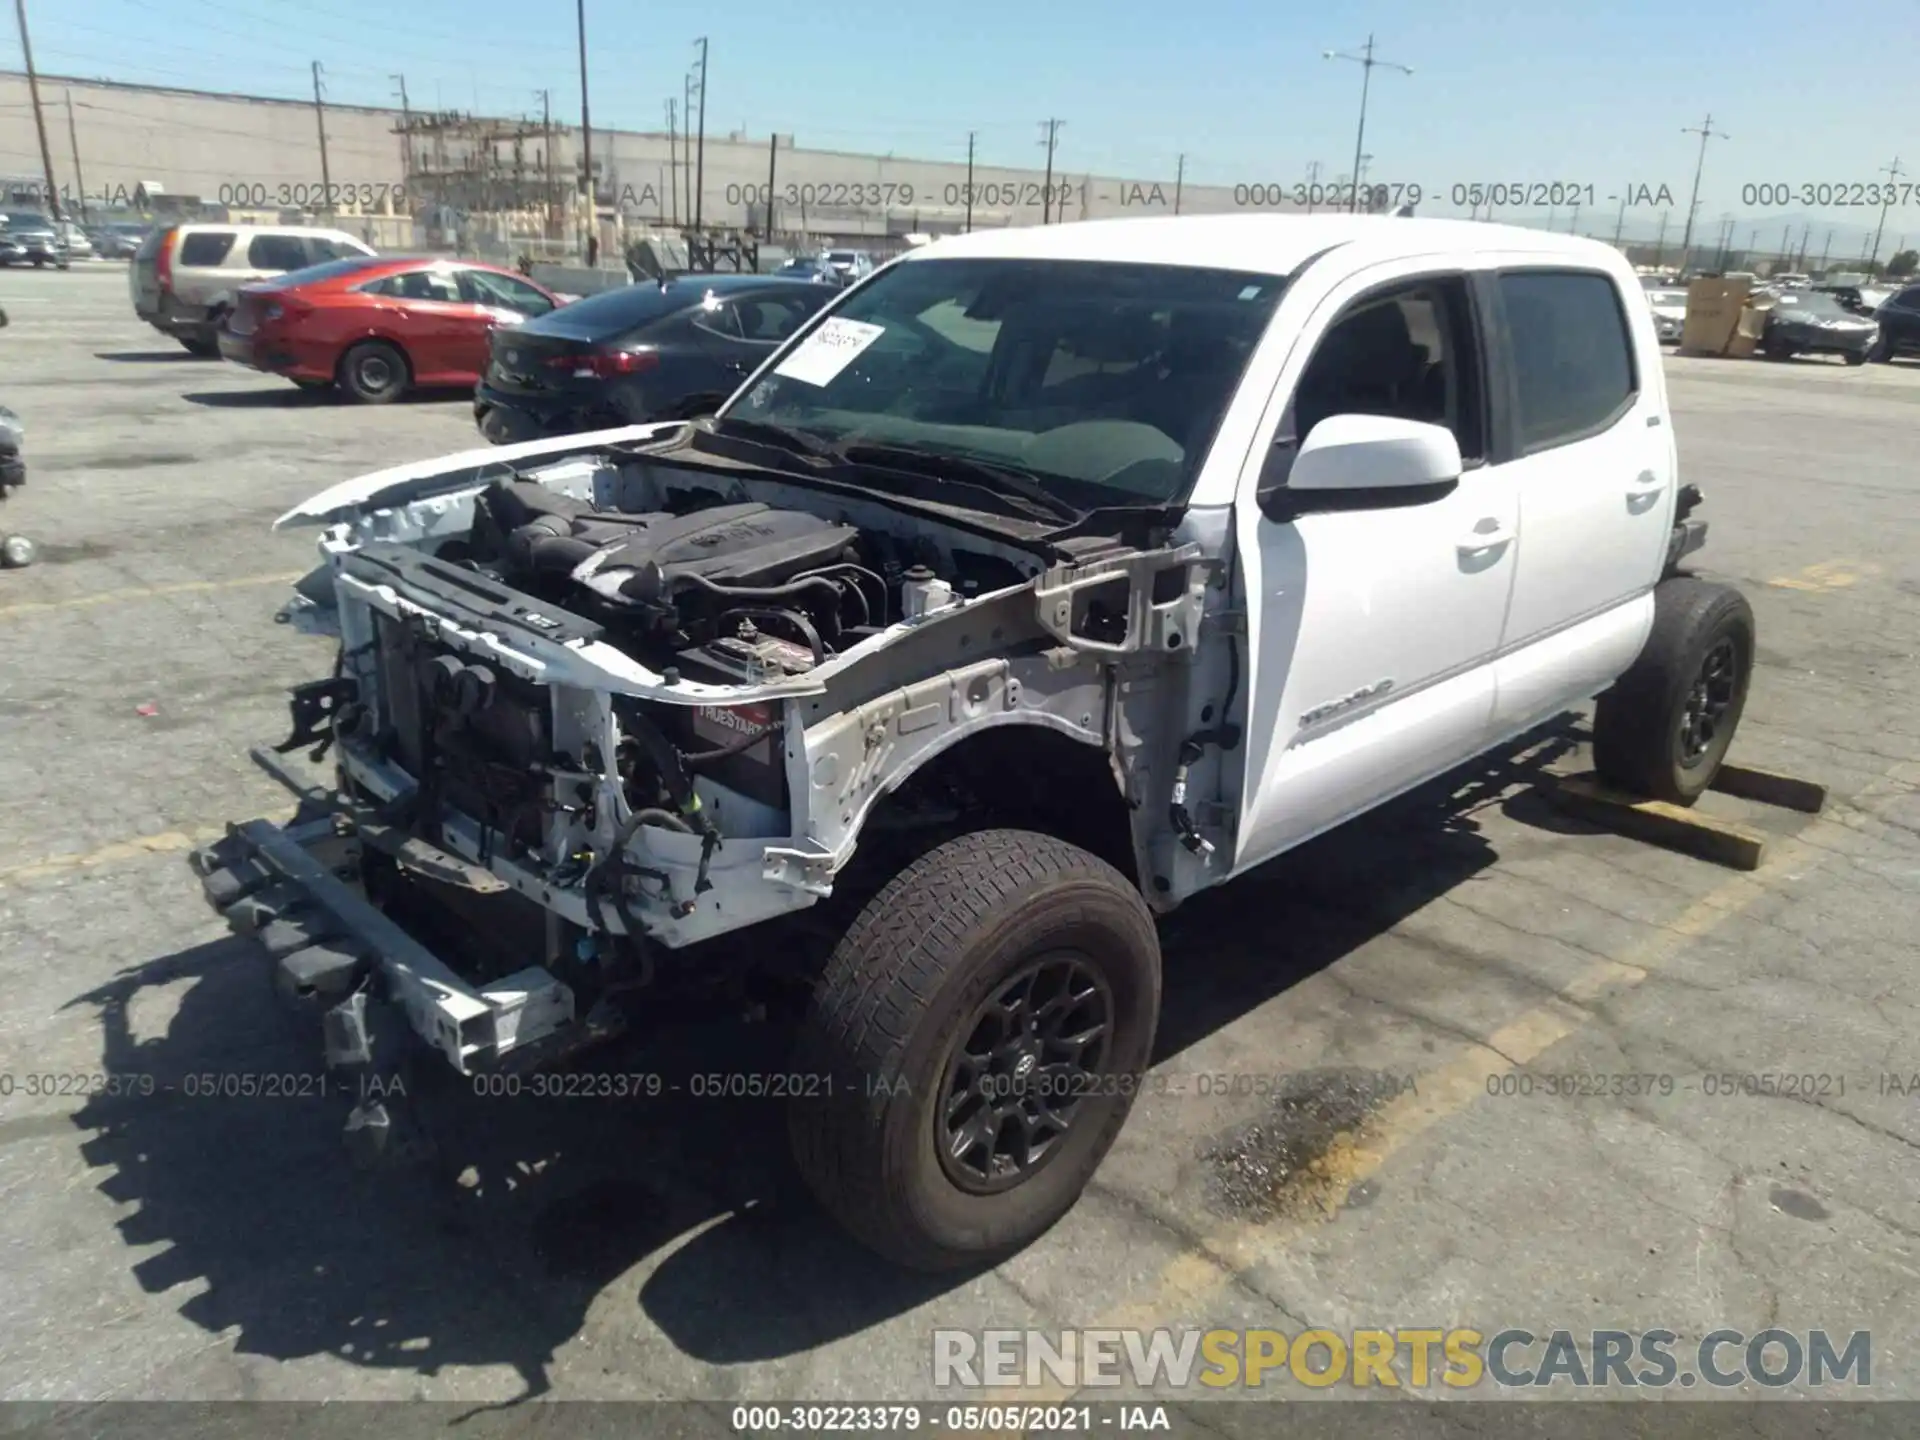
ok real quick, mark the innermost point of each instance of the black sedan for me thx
(670, 350)
(1805, 322)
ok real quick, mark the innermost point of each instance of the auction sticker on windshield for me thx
(829, 350)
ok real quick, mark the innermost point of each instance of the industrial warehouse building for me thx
(162, 150)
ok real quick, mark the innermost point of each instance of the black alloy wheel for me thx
(1032, 1051)
(1713, 694)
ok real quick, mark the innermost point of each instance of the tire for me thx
(1647, 735)
(495, 428)
(205, 349)
(1778, 350)
(374, 372)
(904, 994)
(1855, 357)
(1881, 351)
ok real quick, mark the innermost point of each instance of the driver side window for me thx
(1408, 352)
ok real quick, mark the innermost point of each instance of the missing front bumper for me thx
(334, 952)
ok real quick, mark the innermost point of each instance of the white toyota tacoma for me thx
(1049, 577)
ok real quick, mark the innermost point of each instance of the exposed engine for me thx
(725, 593)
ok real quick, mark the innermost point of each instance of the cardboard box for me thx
(1715, 308)
(1753, 324)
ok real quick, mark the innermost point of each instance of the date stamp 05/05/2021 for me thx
(1817, 1086)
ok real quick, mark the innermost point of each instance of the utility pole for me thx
(39, 120)
(700, 153)
(773, 148)
(320, 119)
(1366, 60)
(1826, 250)
(1573, 225)
(969, 182)
(586, 140)
(1313, 184)
(686, 142)
(1620, 222)
(1706, 132)
(1179, 177)
(673, 164)
(1893, 173)
(406, 125)
(546, 156)
(1046, 189)
(79, 179)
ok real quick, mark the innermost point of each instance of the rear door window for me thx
(204, 248)
(277, 252)
(1572, 355)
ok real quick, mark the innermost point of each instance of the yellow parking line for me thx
(167, 842)
(148, 592)
(1827, 575)
(1197, 1275)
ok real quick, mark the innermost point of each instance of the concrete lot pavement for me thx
(1389, 993)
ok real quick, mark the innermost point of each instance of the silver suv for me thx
(184, 277)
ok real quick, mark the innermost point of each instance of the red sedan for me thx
(376, 326)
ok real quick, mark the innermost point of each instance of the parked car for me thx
(812, 269)
(15, 550)
(12, 252)
(119, 240)
(852, 266)
(376, 326)
(78, 245)
(1790, 280)
(38, 238)
(1805, 322)
(1669, 307)
(183, 278)
(1898, 317)
(670, 349)
(851, 646)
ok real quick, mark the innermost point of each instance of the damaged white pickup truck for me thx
(1049, 577)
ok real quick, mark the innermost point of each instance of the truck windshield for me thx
(1109, 378)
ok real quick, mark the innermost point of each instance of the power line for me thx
(1366, 60)
(1706, 132)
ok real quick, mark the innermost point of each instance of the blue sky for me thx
(1584, 93)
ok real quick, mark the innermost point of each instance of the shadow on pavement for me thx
(146, 356)
(492, 1253)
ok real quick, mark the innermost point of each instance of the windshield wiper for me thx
(1005, 481)
(783, 437)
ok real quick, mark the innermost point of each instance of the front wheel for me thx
(974, 1047)
(1881, 351)
(1664, 727)
(1778, 350)
(1856, 357)
(373, 372)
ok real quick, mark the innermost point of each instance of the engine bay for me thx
(718, 590)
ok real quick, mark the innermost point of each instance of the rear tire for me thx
(974, 949)
(374, 372)
(1664, 727)
(1856, 357)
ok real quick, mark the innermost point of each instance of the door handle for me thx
(1489, 534)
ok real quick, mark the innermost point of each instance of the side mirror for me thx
(1365, 462)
